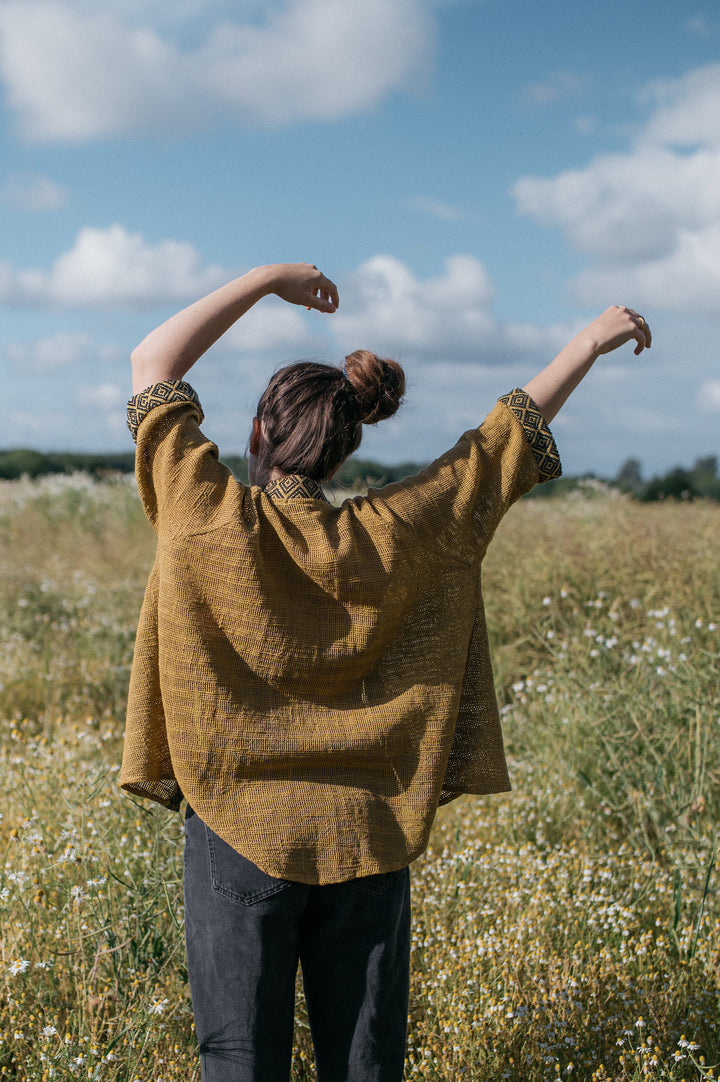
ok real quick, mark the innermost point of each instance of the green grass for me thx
(568, 930)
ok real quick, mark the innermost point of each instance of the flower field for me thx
(570, 929)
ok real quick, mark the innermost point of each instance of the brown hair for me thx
(312, 414)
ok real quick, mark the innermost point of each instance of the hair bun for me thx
(378, 383)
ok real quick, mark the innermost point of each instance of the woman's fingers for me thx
(639, 329)
(319, 291)
(643, 334)
(326, 293)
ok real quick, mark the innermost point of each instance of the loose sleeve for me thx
(457, 502)
(147, 769)
(183, 486)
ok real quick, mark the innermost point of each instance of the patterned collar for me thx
(292, 486)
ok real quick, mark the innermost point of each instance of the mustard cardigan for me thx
(315, 680)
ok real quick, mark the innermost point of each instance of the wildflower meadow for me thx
(568, 930)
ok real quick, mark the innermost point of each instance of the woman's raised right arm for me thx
(172, 349)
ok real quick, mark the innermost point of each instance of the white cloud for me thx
(74, 74)
(384, 306)
(390, 310)
(650, 217)
(108, 267)
(275, 326)
(387, 303)
(34, 193)
(458, 356)
(686, 109)
(628, 206)
(686, 279)
(171, 12)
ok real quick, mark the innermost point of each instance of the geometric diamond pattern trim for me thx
(294, 485)
(538, 434)
(169, 390)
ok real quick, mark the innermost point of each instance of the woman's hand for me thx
(616, 326)
(551, 388)
(303, 283)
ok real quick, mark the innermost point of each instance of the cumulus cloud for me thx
(172, 12)
(458, 354)
(649, 217)
(628, 206)
(686, 110)
(75, 74)
(274, 327)
(686, 278)
(384, 306)
(391, 310)
(109, 267)
(113, 268)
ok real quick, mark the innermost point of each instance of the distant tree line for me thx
(699, 482)
(23, 462)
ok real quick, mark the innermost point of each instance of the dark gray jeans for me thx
(246, 933)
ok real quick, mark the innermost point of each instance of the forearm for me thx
(551, 388)
(617, 325)
(172, 349)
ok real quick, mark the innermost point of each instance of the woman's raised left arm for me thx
(616, 325)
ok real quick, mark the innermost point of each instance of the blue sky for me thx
(480, 178)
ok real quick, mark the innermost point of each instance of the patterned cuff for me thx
(160, 394)
(537, 432)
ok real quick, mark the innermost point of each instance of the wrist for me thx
(587, 346)
(264, 280)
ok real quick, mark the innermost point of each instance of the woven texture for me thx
(316, 679)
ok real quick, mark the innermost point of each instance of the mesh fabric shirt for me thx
(314, 679)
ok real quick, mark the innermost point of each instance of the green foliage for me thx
(700, 482)
(26, 463)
